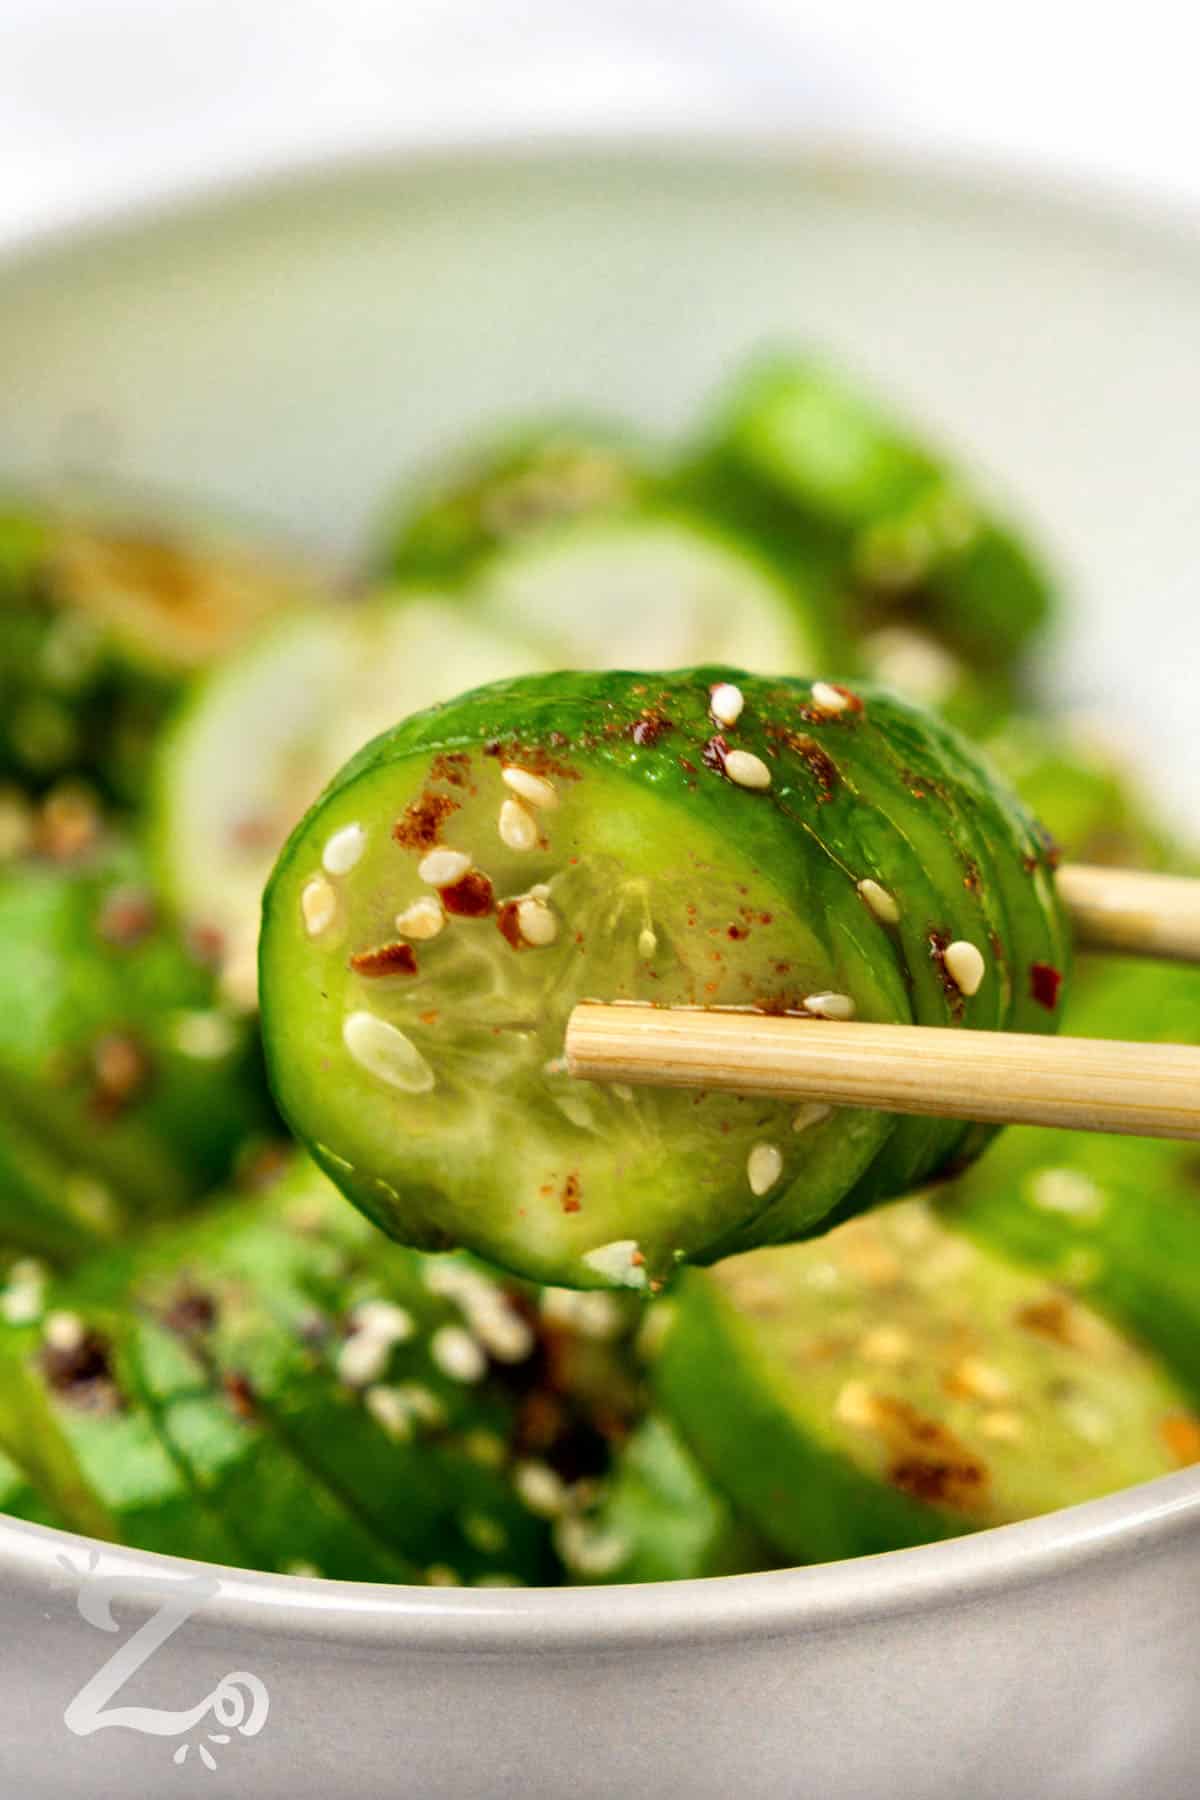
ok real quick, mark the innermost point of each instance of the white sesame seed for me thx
(829, 1006)
(1066, 1191)
(343, 850)
(540, 891)
(541, 1489)
(64, 1331)
(533, 788)
(965, 966)
(442, 868)
(1004, 1427)
(24, 1295)
(914, 664)
(615, 1262)
(881, 903)
(442, 1575)
(457, 1354)
(537, 924)
(362, 1359)
(726, 703)
(812, 1114)
(828, 699)
(746, 770)
(422, 920)
(981, 1380)
(318, 905)
(390, 1411)
(589, 1311)
(518, 827)
(886, 1344)
(205, 1034)
(764, 1166)
(647, 943)
(383, 1319)
(386, 1053)
(856, 1406)
(587, 1550)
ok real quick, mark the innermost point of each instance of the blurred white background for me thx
(105, 103)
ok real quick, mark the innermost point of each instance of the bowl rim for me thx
(952, 1572)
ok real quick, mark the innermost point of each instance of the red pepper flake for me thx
(191, 1311)
(509, 925)
(387, 959)
(647, 730)
(420, 825)
(534, 757)
(738, 932)
(121, 1070)
(256, 832)
(714, 753)
(1181, 1434)
(471, 898)
(818, 762)
(571, 1203)
(206, 943)
(1044, 983)
(428, 1018)
(240, 1393)
(637, 1259)
(82, 1373)
(451, 766)
(127, 916)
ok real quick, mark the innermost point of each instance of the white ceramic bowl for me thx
(291, 350)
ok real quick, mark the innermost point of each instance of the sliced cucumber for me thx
(511, 488)
(650, 590)
(1114, 1220)
(49, 1206)
(114, 1054)
(895, 1384)
(899, 540)
(260, 738)
(472, 874)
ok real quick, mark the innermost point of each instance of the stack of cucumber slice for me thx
(201, 1355)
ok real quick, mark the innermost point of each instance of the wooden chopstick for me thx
(1086, 1084)
(1131, 912)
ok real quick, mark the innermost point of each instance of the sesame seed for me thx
(24, 1295)
(981, 1380)
(828, 699)
(533, 788)
(363, 1358)
(442, 868)
(538, 925)
(764, 1166)
(343, 850)
(589, 1311)
(383, 1319)
(647, 943)
(204, 1034)
(541, 1489)
(442, 1575)
(386, 1053)
(1066, 1191)
(746, 770)
(914, 664)
(812, 1114)
(518, 827)
(457, 1354)
(725, 702)
(881, 903)
(965, 966)
(390, 1411)
(64, 1331)
(856, 1406)
(587, 1550)
(422, 920)
(1005, 1427)
(886, 1344)
(318, 905)
(616, 1263)
(829, 1006)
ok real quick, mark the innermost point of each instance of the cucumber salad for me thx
(313, 1256)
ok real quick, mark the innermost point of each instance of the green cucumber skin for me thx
(66, 988)
(907, 795)
(836, 477)
(518, 483)
(1135, 1254)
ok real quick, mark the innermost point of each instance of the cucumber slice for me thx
(114, 1055)
(106, 616)
(648, 591)
(434, 919)
(511, 488)
(1114, 1220)
(260, 737)
(48, 1207)
(895, 1384)
(903, 540)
